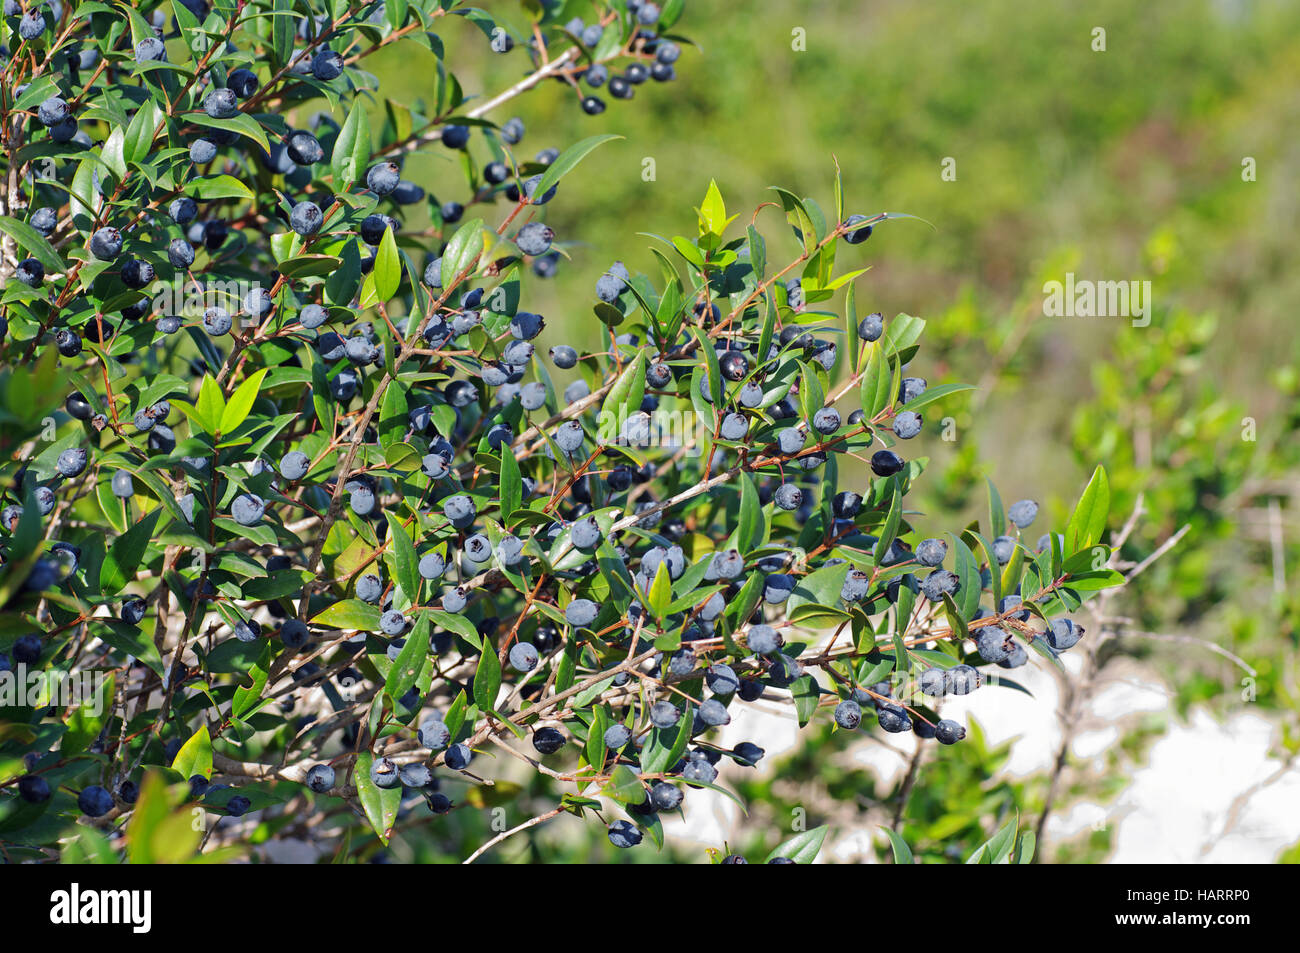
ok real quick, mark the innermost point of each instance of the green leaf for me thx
(624, 398)
(1088, 521)
(350, 614)
(195, 756)
(807, 693)
(997, 515)
(511, 482)
(902, 854)
(351, 147)
(380, 804)
(30, 239)
(711, 369)
(410, 661)
(123, 557)
(565, 163)
(240, 403)
(462, 251)
(1024, 852)
(406, 564)
(661, 590)
(820, 588)
(931, 394)
(750, 527)
(874, 390)
(487, 678)
(218, 187)
(802, 848)
(388, 267)
(968, 575)
(241, 123)
(713, 212)
(889, 529)
(624, 786)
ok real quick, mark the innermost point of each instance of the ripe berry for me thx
(455, 137)
(33, 789)
(932, 681)
(734, 365)
(907, 425)
(665, 796)
(856, 586)
(106, 244)
(458, 757)
(180, 254)
(373, 227)
(216, 321)
(1063, 634)
(52, 112)
(858, 235)
(826, 420)
(616, 736)
(593, 105)
(1004, 547)
(1022, 512)
(382, 178)
(663, 714)
(713, 713)
(763, 639)
(122, 485)
(931, 552)
(548, 740)
(433, 734)
(991, 643)
(939, 582)
(384, 774)
(71, 462)
(535, 238)
(777, 588)
(181, 211)
(948, 732)
(44, 220)
(734, 427)
(30, 272)
(791, 440)
(294, 634)
(581, 612)
(624, 834)
(848, 714)
(303, 148)
(893, 719)
(137, 273)
(220, 103)
(95, 801)
(910, 389)
(569, 436)
(247, 509)
(886, 463)
(962, 680)
(327, 65)
(788, 496)
(455, 600)
(306, 218)
(523, 657)
(392, 623)
(370, 588)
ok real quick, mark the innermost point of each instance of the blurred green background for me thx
(1130, 163)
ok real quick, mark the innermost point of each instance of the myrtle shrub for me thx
(294, 506)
